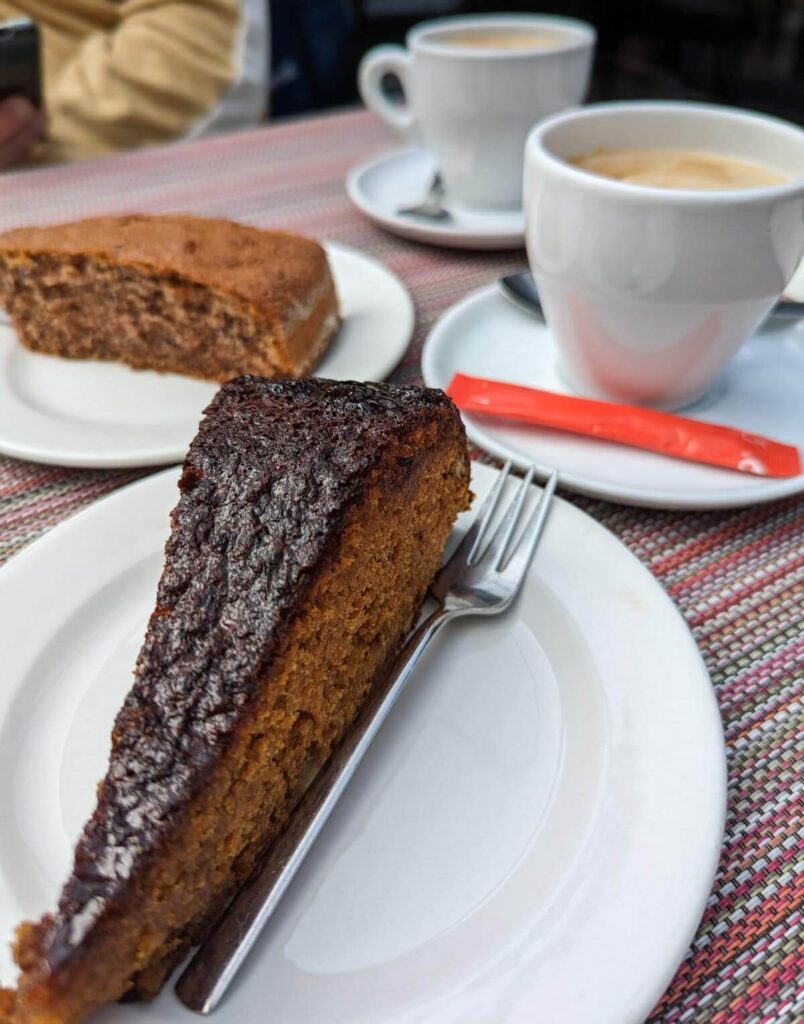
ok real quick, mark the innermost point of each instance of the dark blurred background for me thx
(747, 53)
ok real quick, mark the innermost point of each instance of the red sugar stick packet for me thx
(662, 432)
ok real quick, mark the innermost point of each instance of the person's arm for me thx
(21, 127)
(167, 69)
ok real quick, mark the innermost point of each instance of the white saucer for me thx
(94, 414)
(382, 185)
(761, 392)
(531, 844)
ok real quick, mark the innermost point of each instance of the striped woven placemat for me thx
(737, 577)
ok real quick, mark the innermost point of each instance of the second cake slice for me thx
(174, 293)
(312, 518)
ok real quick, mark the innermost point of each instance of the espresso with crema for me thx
(677, 169)
(503, 38)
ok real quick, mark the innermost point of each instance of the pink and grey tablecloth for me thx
(737, 577)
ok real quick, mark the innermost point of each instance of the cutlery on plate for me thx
(520, 289)
(481, 578)
(433, 204)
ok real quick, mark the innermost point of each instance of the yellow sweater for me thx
(124, 73)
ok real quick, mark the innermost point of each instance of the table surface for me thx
(737, 577)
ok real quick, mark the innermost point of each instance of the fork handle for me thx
(212, 969)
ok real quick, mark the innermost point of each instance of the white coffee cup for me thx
(473, 106)
(650, 291)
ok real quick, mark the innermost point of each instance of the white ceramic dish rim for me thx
(57, 544)
(767, 489)
(442, 234)
(538, 145)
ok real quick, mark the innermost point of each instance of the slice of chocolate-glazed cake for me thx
(312, 518)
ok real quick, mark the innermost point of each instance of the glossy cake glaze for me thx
(279, 477)
(258, 460)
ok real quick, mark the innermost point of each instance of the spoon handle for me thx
(520, 288)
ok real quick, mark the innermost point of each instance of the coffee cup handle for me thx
(378, 62)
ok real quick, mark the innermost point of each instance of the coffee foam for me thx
(677, 169)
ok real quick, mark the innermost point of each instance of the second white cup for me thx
(474, 87)
(650, 291)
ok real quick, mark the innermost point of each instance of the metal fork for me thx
(481, 578)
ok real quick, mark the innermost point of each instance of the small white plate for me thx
(484, 335)
(533, 836)
(95, 414)
(382, 185)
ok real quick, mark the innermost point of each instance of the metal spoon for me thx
(520, 289)
(432, 206)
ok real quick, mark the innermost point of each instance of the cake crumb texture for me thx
(174, 293)
(312, 518)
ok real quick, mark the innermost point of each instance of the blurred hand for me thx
(21, 127)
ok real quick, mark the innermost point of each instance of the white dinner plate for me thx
(95, 414)
(485, 335)
(386, 183)
(533, 836)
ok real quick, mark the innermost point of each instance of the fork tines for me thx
(493, 549)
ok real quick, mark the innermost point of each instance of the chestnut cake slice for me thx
(175, 293)
(311, 520)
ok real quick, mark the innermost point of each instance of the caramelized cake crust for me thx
(312, 518)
